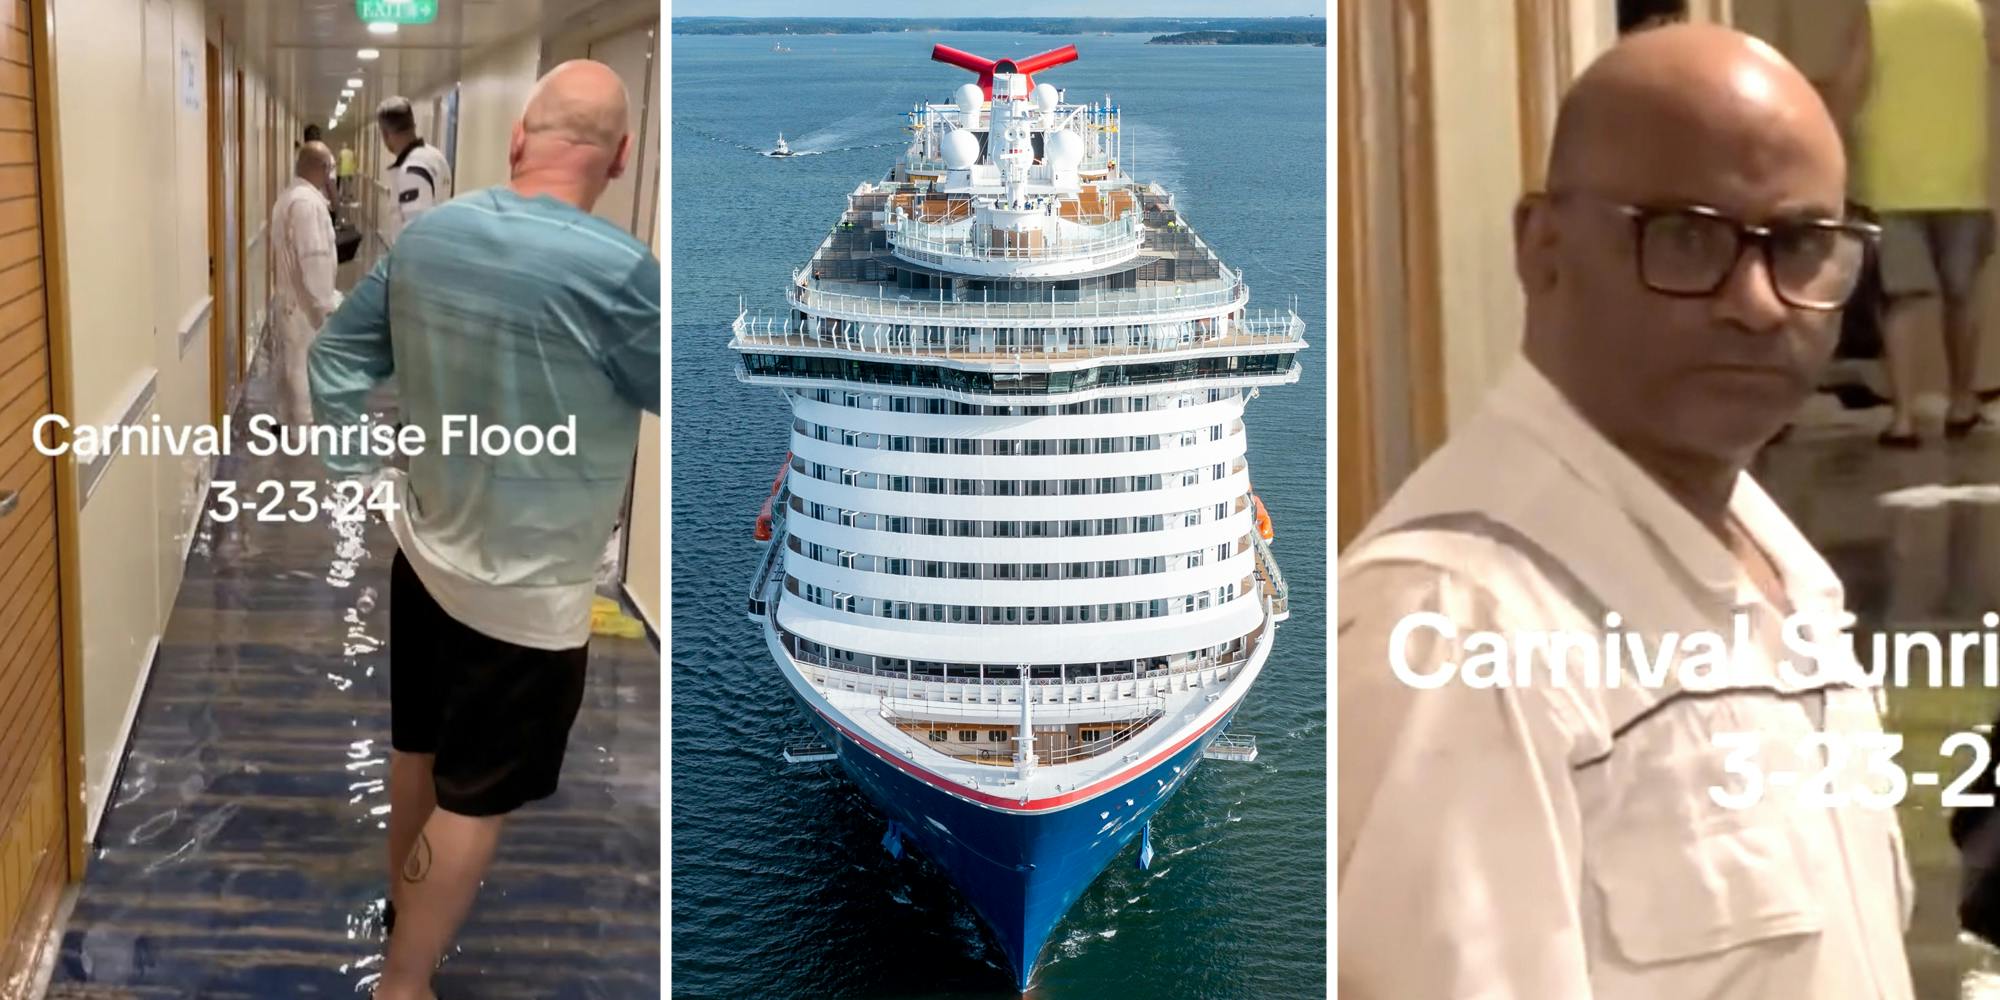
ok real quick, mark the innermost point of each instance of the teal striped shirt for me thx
(519, 312)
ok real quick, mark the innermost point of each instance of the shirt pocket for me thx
(1669, 895)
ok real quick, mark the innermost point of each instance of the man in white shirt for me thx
(1556, 837)
(306, 258)
(419, 177)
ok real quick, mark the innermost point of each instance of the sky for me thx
(1011, 8)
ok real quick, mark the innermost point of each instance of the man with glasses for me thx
(1913, 90)
(1519, 817)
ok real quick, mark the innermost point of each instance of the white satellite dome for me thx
(1044, 98)
(1064, 150)
(961, 149)
(968, 98)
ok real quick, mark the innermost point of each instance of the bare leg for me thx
(434, 901)
(1899, 342)
(1961, 353)
(412, 797)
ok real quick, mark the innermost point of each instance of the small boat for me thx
(779, 47)
(782, 149)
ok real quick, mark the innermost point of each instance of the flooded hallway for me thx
(194, 653)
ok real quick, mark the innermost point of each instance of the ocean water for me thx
(780, 885)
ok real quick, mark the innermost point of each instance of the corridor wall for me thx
(1445, 112)
(131, 111)
(625, 37)
(493, 88)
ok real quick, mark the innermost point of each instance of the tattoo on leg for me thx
(418, 867)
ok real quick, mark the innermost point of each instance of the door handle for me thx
(8, 501)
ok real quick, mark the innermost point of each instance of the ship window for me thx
(937, 736)
(968, 736)
(1089, 735)
(996, 736)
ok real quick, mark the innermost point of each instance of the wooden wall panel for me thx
(35, 843)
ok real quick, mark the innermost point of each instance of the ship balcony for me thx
(1160, 303)
(1022, 380)
(994, 744)
(1130, 694)
(1271, 583)
(770, 573)
(965, 246)
(1259, 331)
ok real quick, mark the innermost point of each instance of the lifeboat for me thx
(1263, 518)
(766, 516)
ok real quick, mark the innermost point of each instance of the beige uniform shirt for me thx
(1547, 842)
(305, 258)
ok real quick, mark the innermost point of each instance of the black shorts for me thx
(496, 715)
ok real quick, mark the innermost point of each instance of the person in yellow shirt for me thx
(347, 168)
(1912, 97)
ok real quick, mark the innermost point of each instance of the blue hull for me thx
(1020, 871)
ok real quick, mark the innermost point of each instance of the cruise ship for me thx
(1017, 579)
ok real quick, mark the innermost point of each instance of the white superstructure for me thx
(1017, 543)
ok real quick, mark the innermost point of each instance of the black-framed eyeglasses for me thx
(1689, 251)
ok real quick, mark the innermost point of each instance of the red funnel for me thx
(987, 67)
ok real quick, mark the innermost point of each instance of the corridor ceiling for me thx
(310, 47)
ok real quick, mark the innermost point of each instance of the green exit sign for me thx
(397, 11)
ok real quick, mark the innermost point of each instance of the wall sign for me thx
(397, 11)
(190, 78)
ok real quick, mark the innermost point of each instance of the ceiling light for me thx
(368, 53)
(381, 27)
(355, 82)
(331, 122)
(347, 93)
(339, 109)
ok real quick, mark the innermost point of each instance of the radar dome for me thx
(968, 98)
(1064, 151)
(1044, 97)
(961, 149)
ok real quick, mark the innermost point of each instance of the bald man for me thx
(1511, 823)
(306, 258)
(516, 307)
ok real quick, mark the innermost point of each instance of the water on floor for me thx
(242, 855)
(1915, 536)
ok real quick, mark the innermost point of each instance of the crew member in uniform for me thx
(302, 240)
(1555, 837)
(419, 177)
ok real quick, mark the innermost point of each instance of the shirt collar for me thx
(1526, 397)
(405, 154)
(300, 182)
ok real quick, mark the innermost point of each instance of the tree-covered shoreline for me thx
(1074, 27)
(1240, 38)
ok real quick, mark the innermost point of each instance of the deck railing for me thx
(1255, 330)
(1123, 731)
(1212, 293)
(1073, 689)
(947, 245)
(1277, 596)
